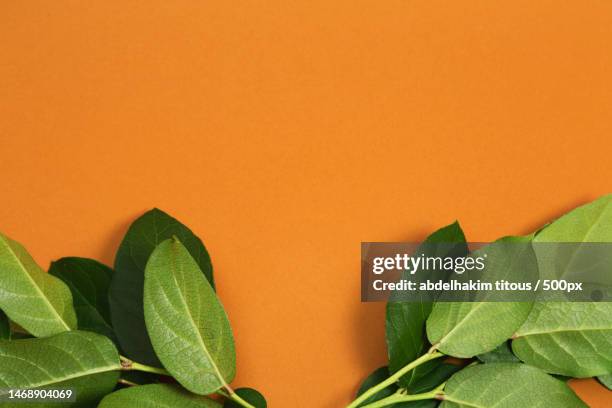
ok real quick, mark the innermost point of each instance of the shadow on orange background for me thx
(285, 133)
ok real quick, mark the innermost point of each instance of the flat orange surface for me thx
(285, 133)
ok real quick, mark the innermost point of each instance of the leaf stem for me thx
(400, 397)
(127, 382)
(431, 355)
(127, 365)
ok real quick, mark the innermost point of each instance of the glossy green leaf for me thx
(502, 354)
(434, 378)
(466, 329)
(249, 395)
(507, 385)
(83, 361)
(88, 281)
(572, 339)
(156, 396)
(5, 326)
(126, 291)
(405, 321)
(187, 324)
(37, 301)
(606, 380)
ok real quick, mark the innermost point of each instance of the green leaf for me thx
(20, 336)
(189, 329)
(502, 354)
(83, 361)
(88, 281)
(591, 222)
(466, 329)
(5, 326)
(37, 301)
(126, 291)
(572, 339)
(376, 377)
(250, 395)
(405, 321)
(434, 378)
(156, 396)
(507, 385)
(606, 380)
(381, 374)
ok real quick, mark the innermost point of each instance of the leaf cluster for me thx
(506, 354)
(150, 332)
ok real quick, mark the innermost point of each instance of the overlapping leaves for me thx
(185, 322)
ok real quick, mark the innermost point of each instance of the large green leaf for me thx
(465, 329)
(249, 395)
(37, 301)
(591, 222)
(507, 385)
(156, 396)
(405, 321)
(573, 339)
(85, 362)
(126, 291)
(189, 329)
(5, 326)
(88, 281)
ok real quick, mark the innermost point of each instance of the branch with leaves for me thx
(513, 354)
(64, 329)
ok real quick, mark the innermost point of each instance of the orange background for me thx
(284, 133)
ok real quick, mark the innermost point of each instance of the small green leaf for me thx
(606, 380)
(250, 395)
(571, 339)
(502, 354)
(466, 329)
(405, 321)
(37, 301)
(507, 385)
(88, 281)
(187, 324)
(83, 361)
(5, 326)
(156, 396)
(126, 290)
